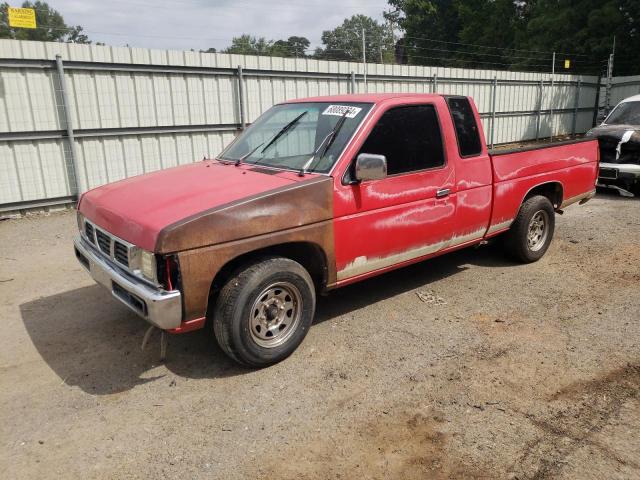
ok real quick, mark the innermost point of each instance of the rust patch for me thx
(199, 267)
(407, 445)
(302, 203)
(301, 212)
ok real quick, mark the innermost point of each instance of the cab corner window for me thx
(465, 124)
(409, 137)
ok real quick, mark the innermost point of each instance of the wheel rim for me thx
(275, 314)
(538, 230)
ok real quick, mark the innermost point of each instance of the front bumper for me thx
(615, 171)
(158, 307)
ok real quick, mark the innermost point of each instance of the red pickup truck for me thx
(316, 194)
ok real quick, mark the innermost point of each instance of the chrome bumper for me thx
(625, 168)
(158, 307)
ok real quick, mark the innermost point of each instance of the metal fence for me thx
(620, 88)
(73, 117)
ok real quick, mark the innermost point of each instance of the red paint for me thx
(136, 209)
(189, 326)
(168, 273)
(386, 218)
(573, 166)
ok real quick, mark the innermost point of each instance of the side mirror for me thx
(371, 167)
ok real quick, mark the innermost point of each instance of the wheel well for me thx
(309, 255)
(552, 190)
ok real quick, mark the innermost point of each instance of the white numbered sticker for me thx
(340, 110)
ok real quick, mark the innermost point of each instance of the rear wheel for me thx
(264, 311)
(531, 232)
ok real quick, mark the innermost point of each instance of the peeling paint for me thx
(625, 138)
(362, 264)
(499, 226)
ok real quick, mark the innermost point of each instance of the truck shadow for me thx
(396, 282)
(92, 342)
(610, 194)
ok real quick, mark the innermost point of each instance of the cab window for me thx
(465, 124)
(409, 137)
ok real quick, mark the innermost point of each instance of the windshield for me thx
(627, 113)
(287, 135)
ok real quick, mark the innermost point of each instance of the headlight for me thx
(148, 266)
(143, 263)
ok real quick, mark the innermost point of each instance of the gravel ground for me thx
(466, 366)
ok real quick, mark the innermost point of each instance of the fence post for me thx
(353, 82)
(241, 97)
(364, 60)
(76, 185)
(539, 116)
(493, 110)
(596, 107)
(434, 84)
(551, 108)
(575, 108)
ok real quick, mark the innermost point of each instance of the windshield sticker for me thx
(340, 110)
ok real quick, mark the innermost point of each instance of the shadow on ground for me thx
(93, 342)
(610, 194)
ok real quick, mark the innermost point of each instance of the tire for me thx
(532, 231)
(264, 311)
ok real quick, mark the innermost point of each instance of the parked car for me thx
(619, 139)
(319, 193)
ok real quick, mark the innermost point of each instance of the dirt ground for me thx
(496, 370)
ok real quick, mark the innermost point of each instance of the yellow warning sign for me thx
(567, 63)
(22, 17)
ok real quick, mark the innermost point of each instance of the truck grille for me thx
(114, 248)
(104, 242)
(121, 253)
(89, 232)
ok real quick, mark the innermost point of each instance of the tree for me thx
(345, 41)
(50, 26)
(431, 29)
(493, 23)
(519, 34)
(585, 28)
(248, 45)
(291, 47)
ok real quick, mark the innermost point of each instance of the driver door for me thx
(405, 216)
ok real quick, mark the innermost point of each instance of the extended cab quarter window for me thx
(465, 124)
(409, 137)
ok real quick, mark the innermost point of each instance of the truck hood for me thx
(140, 208)
(614, 131)
(618, 143)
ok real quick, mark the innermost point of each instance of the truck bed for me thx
(571, 165)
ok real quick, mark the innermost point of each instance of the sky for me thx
(201, 24)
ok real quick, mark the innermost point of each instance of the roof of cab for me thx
(364, 97)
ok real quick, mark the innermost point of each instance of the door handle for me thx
(443, 192)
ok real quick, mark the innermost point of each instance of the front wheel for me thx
(264, 311)
(531, 232)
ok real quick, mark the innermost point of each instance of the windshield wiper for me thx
(273, 139)
(247, 155)
(328, 140)
(284, 130)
